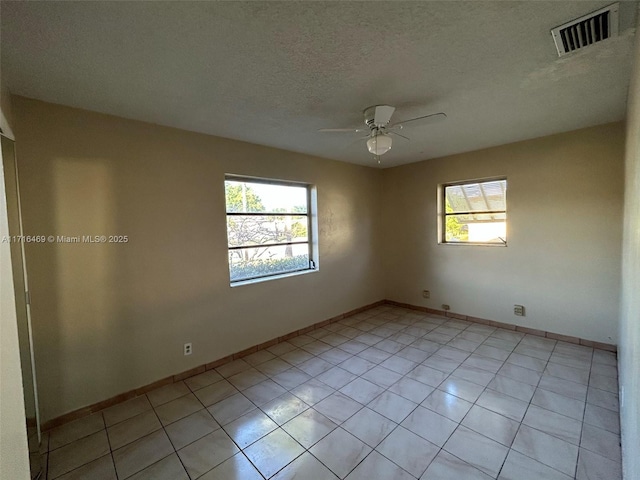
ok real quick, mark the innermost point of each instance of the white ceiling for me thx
(273, 73)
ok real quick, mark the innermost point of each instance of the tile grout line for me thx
(584, 413)
(435, 388)
(340, 426)
(385, 389)
(503, 362)
(240, 450)
(163, 427)
(487, 386)
(106, 432)
(529, 405)
(69, 443)
(419, 404)
(399, 424)
(475, 403)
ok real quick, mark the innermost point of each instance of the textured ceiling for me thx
(273, 73)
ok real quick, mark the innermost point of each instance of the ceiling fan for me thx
(377, 120)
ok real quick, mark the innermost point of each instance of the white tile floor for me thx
(385, 394)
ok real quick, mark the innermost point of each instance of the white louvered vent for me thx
(586, 30)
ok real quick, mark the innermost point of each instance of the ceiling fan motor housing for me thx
(369, 116)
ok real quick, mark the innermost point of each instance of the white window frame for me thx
(311, 227)
(443, 214)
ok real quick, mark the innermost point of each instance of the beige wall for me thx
(629, 352)
(562, 261)
(110, 318)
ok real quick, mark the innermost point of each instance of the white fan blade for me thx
(344, 130)
(396, 133)
(427, 119)
(383, 114)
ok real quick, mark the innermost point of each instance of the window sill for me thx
(241, 283)
(474, 244)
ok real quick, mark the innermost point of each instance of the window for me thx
(268, 228)
(474, 212)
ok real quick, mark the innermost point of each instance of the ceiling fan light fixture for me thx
(379, 144)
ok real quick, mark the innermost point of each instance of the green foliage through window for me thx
(454, 229)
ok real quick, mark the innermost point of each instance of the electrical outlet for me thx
(446, 307)
(426, 293)
(518, 310)
(188, 349)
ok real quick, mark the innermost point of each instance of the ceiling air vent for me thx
(587, 30)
